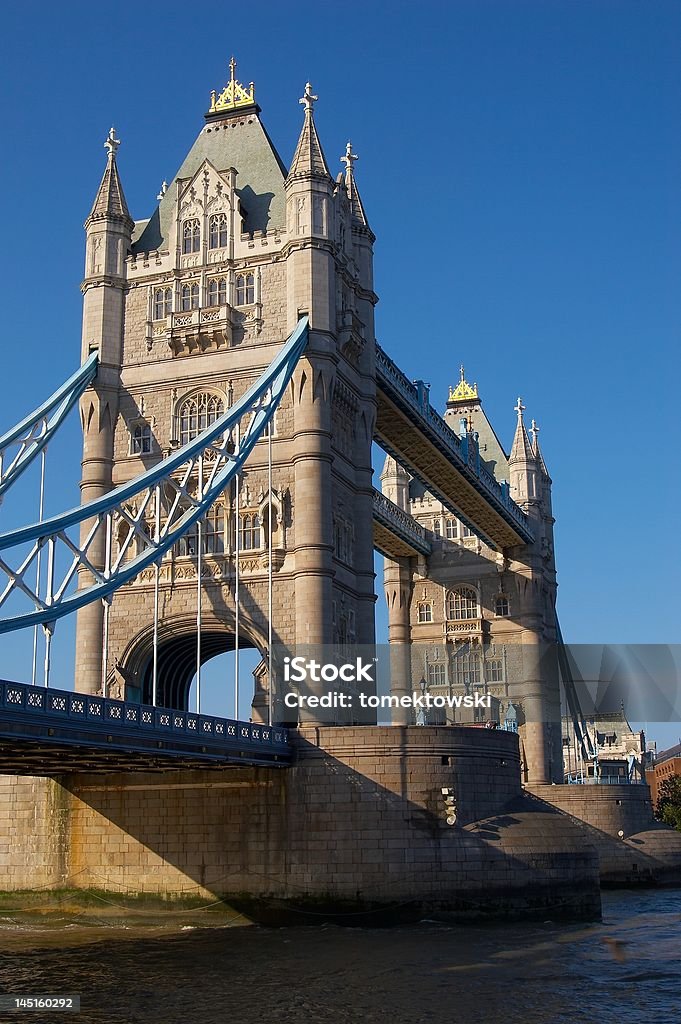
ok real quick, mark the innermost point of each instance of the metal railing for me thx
(103, 721)
(399, 522)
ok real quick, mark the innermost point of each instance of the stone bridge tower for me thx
(186, 309)
(468, 618)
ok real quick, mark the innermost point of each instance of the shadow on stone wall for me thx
(329, 838)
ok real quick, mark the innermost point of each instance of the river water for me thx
(196, 968)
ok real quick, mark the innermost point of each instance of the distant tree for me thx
(668, 807)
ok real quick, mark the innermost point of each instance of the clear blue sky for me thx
(520, 164)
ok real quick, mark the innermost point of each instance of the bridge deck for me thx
(408, 428)
(396, 533)
(52, 732)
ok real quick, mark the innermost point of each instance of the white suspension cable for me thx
(199, 566)
(237, 486)
(41, 512)
(157, 573)
(106, 602)
(48, 630)
(270, 679)
(105, 648)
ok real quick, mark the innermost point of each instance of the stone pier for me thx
(358, 825)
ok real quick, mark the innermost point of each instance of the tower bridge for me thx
(227, 497)
(230, 394)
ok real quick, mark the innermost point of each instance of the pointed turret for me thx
(534, 430)
(308, 159)
(522, 463)
(395, 483)
(544, 482)
(108, 232)
(356, 206)
(521, 449)
(309, 186)
(110, 201)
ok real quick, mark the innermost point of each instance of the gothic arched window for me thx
(190, 297)
(245, 289)
(163, 303)
(451, 529)
(249, 533)
(462, 604)
(425, 611)
(217, 291)
(501, 605)
(191, 236)
(197, 413)
(217, 231)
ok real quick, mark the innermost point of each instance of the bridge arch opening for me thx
(217, 686)
(176, 673)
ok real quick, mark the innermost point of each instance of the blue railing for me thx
(91, 720)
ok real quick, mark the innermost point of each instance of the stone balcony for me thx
(195, 330)
(460, 630)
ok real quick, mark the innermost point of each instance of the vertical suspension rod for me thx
(237, 485)
(106, 601)
(157, 572)
(41, 512)
(270, 677)
(199, 566)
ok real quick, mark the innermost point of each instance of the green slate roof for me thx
(246, 146)
(492, 453)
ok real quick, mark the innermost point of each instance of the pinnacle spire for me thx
(309, 158)
(534, 430)
(110, 201)
(521, 450)
(356, 205)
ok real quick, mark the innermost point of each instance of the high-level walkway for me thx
(409, 429)
(396, 533)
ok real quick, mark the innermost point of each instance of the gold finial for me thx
(112, 143)
(463, 392)
(234, 95)
(308, 99)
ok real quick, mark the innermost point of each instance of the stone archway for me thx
(177, 657)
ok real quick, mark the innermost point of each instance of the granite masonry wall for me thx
(647, 852)
(608, 808)
(359, 823)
